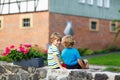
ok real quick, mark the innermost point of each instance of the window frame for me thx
(81, 1)
(100, 3)
(1, 23)
(107, 3)
(26, 22)
(26, 16)
(97, 24)
(116, 25)
(90, 2)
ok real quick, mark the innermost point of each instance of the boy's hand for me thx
(61, 67)
(58, 62)
(81, 64)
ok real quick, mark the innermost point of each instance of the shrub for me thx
(82, 51)
(113, 48)
(101, 51)
(88, 52)
(24, 51)
(85, 51)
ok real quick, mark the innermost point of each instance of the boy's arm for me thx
(58, 62)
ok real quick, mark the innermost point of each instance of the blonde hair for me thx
(55, 36)
(67, 41)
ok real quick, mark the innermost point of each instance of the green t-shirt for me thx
(52, 50)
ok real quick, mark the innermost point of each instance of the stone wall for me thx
(13, 72)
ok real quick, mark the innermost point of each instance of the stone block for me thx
(117, 77)
(101, 77)
(14, 77)
(2, 70)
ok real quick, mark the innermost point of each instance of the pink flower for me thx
(4, 54)
(27, 45)
(26, 51)
(21, 49)
(7, 50)
(45, 51)
(12, 46)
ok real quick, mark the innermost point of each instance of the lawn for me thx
(108, 60)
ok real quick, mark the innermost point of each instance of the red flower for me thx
(4, 54)
(7, 51)
(26, 51)
(27, 45)
(21, 49)
(12, 46)
(45, 51)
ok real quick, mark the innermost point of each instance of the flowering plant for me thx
(24, 51)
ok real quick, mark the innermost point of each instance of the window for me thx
(93, 25)
(106, 3)
(100, 3)
(0, 24)
(81, 1)
(26, 22)
(90, 2)
(113, 27)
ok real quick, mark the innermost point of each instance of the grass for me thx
(107, 60)
(112, 69)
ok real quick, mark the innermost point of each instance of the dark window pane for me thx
(0, 24)
(113, 27)
(26, 22)
(93, 25)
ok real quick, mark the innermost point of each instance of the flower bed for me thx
(24, 52)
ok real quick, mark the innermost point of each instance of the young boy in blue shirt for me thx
(71, 56)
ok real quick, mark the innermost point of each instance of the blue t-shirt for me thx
(70, 56)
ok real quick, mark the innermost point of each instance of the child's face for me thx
(56, 42)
